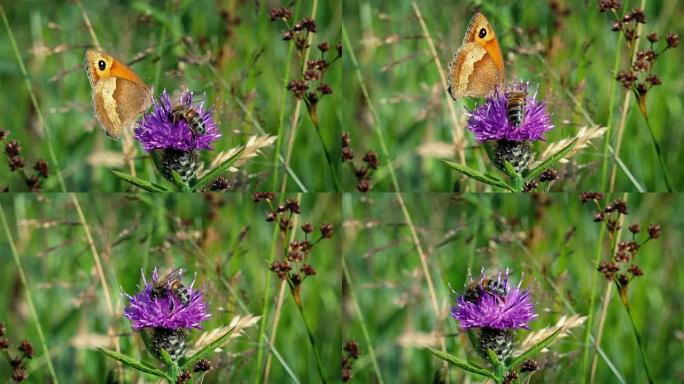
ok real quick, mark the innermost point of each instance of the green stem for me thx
(609, 123)
(264, 309)
(328, 156)
(592, 303)
(638, 338)
(29, 298)
(668, 182)
(312, 340)
(281, 114)
(377, 124)
(34, 101)
(362, 321)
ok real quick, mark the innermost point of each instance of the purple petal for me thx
(157, 129)
(489, 121)
(515, 310)
(145, 310)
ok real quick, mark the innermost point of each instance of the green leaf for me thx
(479, 176)
(533, 350)
(140, 183)
(515, 176)
(166, 358)
(202, 353)
(217, 171)
(550, 162)
(179, 182)
(493, 358)
(463, 364)
(136, 364)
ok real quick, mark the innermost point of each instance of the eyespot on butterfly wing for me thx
(477, 67)
(119, 95)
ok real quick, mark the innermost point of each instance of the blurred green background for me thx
(576, 41)
(229, 50)
(223, 239)
(550, 239)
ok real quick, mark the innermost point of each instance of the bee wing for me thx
(173, 275)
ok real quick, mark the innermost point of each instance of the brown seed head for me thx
(12, 148)
(19, 375)
(27, 348)
(326, 230)
(203, 365)
(654, 231)
(371, 158)
(672, 40)
(352, 348)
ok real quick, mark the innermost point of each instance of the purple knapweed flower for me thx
(489, 121)
(493, 304)
(159, 129)
(150, 310)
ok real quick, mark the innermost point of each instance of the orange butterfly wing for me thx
(477, 67)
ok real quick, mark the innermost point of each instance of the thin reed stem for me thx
(27, 292)
(281, 299)
(591, 122)
(459, 134)
(599, 334)
(312, 341)
(609, 124)
(625, 102)
(328, 156)
(264, 309)
(377, 126)
(89, 26)
(407, 217)
(314, 120)
(569, 306)
(98, 267)
(592, 303)
(659, 153)
(253, 120)
(274, 329)
(283, 101)
(43, 123)
(362, 321)
(607, 292)
(638, 338)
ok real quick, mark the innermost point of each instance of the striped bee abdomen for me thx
(515, 107)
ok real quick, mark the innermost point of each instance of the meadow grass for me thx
(550, 241)
(400, 91)
(62, 282)
(231, 54)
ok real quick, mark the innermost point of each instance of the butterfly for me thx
(119, 95)
(477, 68)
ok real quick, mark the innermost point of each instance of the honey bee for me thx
(171, 284)
(515, 107)
(476, 288)
(191, 117)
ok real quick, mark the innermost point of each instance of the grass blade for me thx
(550, 162)
(202, 353)
(214, 173)
(136, 364)
(29, 296)
(479, 176)
(534, 350)
(140, 183)
(463, 364)
(179, 182)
